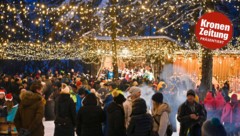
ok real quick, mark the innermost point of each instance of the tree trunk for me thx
(114, 36)
(207, 65)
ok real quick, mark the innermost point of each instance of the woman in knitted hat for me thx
(115, 116)
(65, 113)
(160, 113)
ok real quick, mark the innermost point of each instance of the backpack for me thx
(169, 130)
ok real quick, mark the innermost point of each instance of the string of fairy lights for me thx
(69, 31)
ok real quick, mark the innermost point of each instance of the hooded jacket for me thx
(65, 109)
(161, 115)
(65, 116)
(141, 122)
(116, 120)
(30, 114)
(90, 118)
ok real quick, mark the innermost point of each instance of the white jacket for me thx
(127, 105)
(161, 115)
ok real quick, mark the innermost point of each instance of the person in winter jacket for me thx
(213, 127)
(230, 115)
(3, 111)
(90, 117)
(76, 98)
(115, 117)
(225, 118)
(65, 113)
(191, 115)
(160, 113)
(141, 123)
(209, 103)
(29, 116)
(135, 93)
(49, 107)
(11, 107)
(225, 90)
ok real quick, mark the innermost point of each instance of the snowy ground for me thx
(49, 128)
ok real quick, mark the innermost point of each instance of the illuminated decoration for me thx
(89, 50)
(78, 31)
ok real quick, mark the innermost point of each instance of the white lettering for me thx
(217, 26)
(203, 23)
(201, 31)
(213, 33)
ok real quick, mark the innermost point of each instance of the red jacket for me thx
(209, 102)
(219, 101)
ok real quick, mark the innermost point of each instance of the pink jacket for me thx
(227, 113)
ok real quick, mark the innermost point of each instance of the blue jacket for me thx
(78, 103)
(107, 102)
(12, 113)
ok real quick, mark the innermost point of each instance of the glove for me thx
(23, 132)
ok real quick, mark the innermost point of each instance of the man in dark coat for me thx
(141, 123)
(65, 114)
(191, 116)
(90, 117)
(28, 119)
(116, 119)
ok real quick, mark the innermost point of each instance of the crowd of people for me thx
(82, 105)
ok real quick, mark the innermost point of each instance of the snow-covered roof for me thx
(137, 38)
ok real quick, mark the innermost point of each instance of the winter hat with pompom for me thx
(9, 97)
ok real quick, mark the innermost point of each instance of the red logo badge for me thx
(214, 30)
